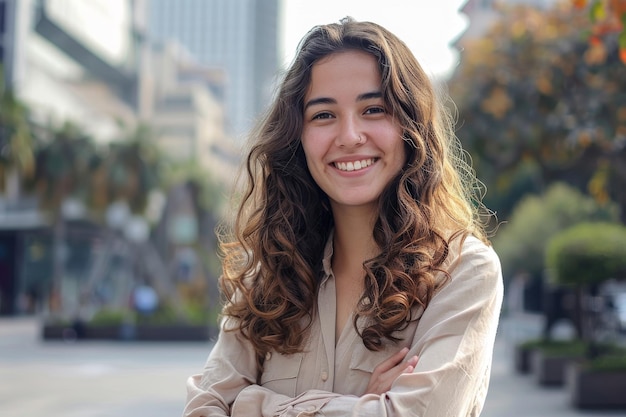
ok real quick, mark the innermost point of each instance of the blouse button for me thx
(268, 356)
(324, 376)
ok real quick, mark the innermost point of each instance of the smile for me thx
(353, 166)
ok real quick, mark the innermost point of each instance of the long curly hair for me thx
(272, 260)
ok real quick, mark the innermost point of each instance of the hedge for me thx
(587, 254)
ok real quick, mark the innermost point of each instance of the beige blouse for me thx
(453, 338)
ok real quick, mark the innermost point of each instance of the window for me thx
(2, 16)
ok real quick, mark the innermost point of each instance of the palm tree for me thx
(129, 171)
(16, 143)
(64, 163)
(134, 167)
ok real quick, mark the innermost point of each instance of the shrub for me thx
(587, 254)
(574, 347)
(521, 242)
(608, 363)
(110, 317)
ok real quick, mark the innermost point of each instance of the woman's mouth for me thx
(354, 165)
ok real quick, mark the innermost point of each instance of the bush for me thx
(587, 254)
(574, 347)
(608, 363)
(521, 243)
(110, 317)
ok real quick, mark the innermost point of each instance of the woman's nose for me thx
(349, 134)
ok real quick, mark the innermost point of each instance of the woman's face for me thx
(353, 146)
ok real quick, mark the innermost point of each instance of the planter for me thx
(550, 369)
(173, 333)
(73, 332)
(160, 333)
(596, 389)
(522, 354)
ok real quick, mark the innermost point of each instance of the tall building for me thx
(74, 60)
(65, 60)
(187, 114)
(238, 36)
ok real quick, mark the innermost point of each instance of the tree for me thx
(126, 173)
(521, 242)
(584, 256)
(538, 103)
(16, 142)
(64, 162)
(128, 170)
(207, 198)
(607, 16)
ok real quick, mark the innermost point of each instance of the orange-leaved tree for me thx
(608, 16)
(538, 103)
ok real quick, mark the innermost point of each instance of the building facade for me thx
(187, 113)
(239, 36)
(66, 61)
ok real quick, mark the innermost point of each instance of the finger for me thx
(387, 379)
(402, 368)
(412, 361)
(392, 361)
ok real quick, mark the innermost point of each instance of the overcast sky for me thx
(426, 26)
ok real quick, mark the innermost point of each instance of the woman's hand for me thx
(388, 370)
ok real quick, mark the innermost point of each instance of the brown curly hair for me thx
(272, 267)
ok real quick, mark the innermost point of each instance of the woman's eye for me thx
(323, 115)
(375, 110)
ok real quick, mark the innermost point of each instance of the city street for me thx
(113, 379)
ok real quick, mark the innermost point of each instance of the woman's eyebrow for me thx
(320, 100)
(329, 100)
(368, 96)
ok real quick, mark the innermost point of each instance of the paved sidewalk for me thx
(514, 395)
(92, 379)
(113, 379)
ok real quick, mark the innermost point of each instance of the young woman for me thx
(359, 281)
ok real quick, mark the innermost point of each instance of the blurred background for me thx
(122, 124)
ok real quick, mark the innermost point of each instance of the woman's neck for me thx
(353, 240)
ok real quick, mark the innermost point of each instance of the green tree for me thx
(539, 103)
(64, 163)
(128, 170)
(584, 256)
(208, 198)
(16, 142)
(521, 242)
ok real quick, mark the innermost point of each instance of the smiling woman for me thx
(358, 277)
(346, 122)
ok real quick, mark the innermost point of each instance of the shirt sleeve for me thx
(230, 367)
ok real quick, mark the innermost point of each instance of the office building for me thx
(238, 36)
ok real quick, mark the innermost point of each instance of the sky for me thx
(426, 26)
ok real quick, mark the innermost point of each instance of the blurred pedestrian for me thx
(145, 299)
(359, 281)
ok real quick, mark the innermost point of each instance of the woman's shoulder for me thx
(471, 246)
(473, 254)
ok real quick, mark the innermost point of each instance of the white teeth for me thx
(354, 166)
